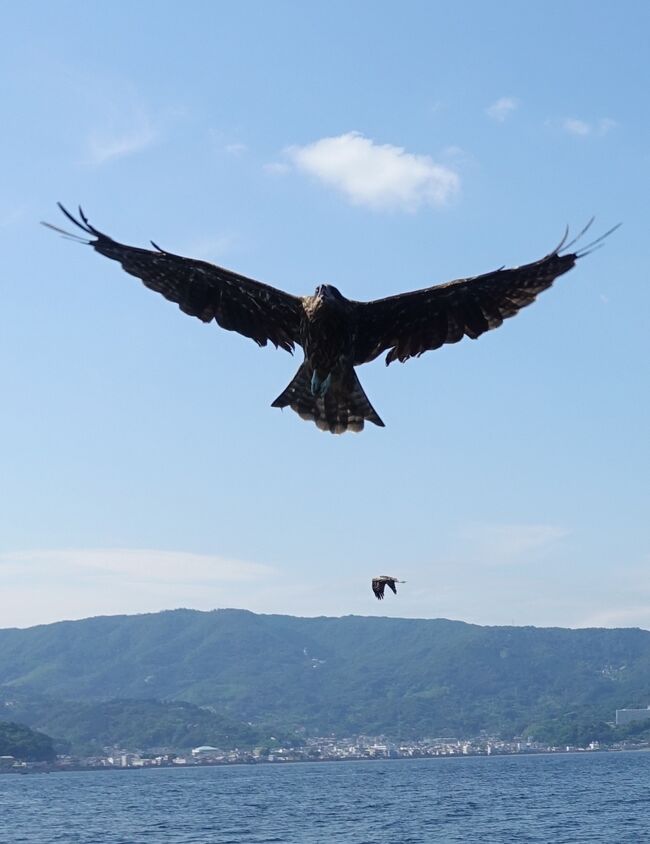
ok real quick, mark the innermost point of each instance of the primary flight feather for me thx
(335, 333)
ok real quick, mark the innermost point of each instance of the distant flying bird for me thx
(336, 333)
(379, 584)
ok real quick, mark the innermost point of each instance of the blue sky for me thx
(379, 147)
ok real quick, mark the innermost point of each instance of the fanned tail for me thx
(344, 407)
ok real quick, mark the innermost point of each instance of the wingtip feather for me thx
(596, 244)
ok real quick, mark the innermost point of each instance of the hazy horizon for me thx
(320, 615)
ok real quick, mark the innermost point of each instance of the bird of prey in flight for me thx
(380, 583)
(335, 333)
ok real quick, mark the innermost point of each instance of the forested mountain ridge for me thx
(19, 741)
(412, 677)
(88, 727)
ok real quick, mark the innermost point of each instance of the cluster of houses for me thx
(314, 749)
(327, 748)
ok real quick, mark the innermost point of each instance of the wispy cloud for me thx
(378, 176)
(502, 109)
(605, 124)
(277, 168)
(41, 586)
(224, 140)
(236, 149)
(581, 128)
(574, 126)
(625, 602)
(211, 247)
(637, 615)
(136, 564)
(508, 544)
(11, 216)
(126, 137)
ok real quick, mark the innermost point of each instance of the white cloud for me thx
(581, 128)
(109, 143)
(574, 126)
(379, 176)
(502, 108)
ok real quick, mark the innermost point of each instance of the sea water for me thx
(547, 799)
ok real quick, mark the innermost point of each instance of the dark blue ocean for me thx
(596, 797)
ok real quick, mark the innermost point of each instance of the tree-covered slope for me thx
(87, 727)
(411, 677)
(19, 741)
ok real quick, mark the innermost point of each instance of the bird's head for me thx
(328, 292)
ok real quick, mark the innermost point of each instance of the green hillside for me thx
(408, 677)
(19, 741)
(87, 727)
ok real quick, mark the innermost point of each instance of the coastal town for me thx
(320, 749)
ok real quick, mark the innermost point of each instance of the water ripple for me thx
(568, 799)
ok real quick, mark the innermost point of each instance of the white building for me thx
(627, 716)
(204, 750)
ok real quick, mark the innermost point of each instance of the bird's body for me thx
(380, 583)
(336, 334)
(327, 331)
(325, 389)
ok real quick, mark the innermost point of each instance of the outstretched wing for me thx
(378, 587)
(205, 290)
(391, 583)
(412, 323)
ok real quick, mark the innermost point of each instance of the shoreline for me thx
(55, 769)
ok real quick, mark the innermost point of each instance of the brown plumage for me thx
(380, 583)
(336, 333)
